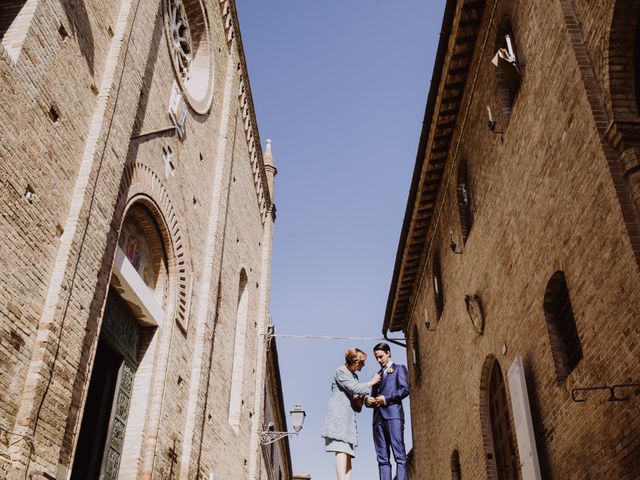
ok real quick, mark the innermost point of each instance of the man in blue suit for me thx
(388, 415)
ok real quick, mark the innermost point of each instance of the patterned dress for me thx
(340, 430)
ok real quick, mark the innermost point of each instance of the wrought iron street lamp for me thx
(297, 419)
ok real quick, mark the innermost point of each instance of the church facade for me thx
(137, 221)
(517, 272)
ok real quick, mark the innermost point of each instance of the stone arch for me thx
(142, 301)
(500, 451)
(142, 184)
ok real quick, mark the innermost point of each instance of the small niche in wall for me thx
(169, 165)
(63, 32)
(54, 114)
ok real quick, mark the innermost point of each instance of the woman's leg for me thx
(348, 475)
(341, 465)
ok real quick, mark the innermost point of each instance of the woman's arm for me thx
(349, 384)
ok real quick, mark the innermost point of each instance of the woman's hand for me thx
(375, 379)
(356, 402)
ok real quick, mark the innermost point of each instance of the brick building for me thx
(516, 277)
(136, 229)
(276, 456)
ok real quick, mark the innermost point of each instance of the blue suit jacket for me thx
(394, 387)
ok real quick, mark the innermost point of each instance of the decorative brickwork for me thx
(141, 184)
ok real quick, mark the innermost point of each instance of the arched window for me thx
(141, 242)
(499, 444)
(438, 292)
(561, 326)
(465, 206)
(415, 351)
(237, 375)
(190, 44)
(507, 63)
(455, 466)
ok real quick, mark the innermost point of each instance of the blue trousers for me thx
(389, 434)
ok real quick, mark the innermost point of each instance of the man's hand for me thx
(375, 401)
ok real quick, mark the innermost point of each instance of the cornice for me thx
(459, 31)
(245, 98)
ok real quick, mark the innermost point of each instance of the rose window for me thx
(180, 38)
(190, 46)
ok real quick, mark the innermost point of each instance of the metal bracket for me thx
(611, 389)
(270, 436)
(267, 438)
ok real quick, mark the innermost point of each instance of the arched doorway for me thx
(135, 303)
(499, 444)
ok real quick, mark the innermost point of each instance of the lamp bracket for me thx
(268, 437)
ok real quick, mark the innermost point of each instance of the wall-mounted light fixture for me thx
(491, 123)
(427, 322)
(297, 419)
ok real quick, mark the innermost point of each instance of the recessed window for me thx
(142, 243)
(508, 67)
(561, 326)
(465, 206)
(455, 466)
(415, 352)
(438, 292)
(237, 372)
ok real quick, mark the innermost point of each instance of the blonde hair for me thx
(354, 355)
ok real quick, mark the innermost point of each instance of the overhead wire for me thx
(326, 337)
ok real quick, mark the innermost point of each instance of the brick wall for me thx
(545, 199)
(87, 79)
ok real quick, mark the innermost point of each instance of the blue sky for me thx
(340, 87)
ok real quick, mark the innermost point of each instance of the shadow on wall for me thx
(81, 29)
(91, 330)
(538, 427)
